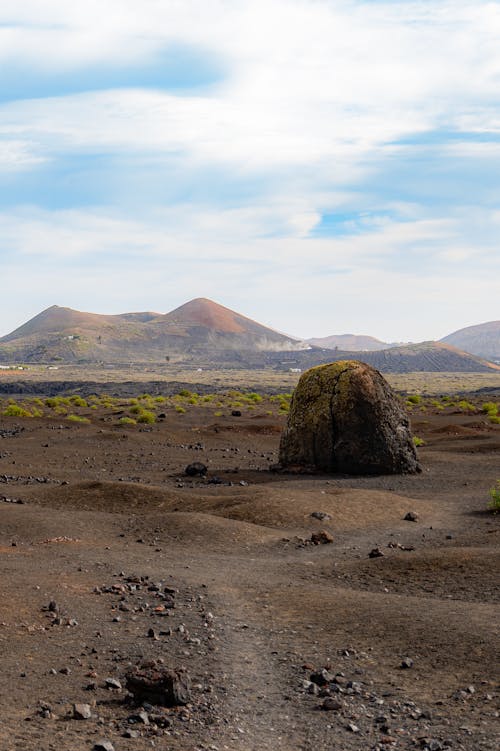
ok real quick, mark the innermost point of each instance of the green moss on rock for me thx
(344, 417)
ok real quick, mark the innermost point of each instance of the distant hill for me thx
(350, 343)
(482, 340)
(63, 334)
(432, 357)
(205, 334)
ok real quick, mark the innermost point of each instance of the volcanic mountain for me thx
(350, 343)
(482, 340)
(63, 334)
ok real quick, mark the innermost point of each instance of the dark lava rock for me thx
(344, 417)
(236, 413)
(159, 686)
(321, 538)
(411, 516)
(196, 469)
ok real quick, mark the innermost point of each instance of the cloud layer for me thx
(324, 166)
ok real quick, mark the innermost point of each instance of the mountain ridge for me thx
(204, 332)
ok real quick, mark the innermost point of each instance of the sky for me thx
(321, 166)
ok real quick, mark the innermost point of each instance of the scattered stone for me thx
(411, 516)
(82, 711)
(159, 686)
(196, 469)
(331, 705)
(406, 663)
(103, 746)
(344, 417)
(375, 553)
(321, 515)
(321, 677)
(352, 727)
(236, 413)
(113, 683)
(321, 538)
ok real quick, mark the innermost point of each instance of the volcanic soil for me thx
(111, 556)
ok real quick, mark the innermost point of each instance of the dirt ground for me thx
(98, 519)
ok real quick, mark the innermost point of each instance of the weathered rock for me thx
(411, 516)
(103, 746)
(160, 686)
(196, 469)
(321, 538)
(344, 417)
(82, 711)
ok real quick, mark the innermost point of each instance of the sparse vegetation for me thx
(414, 399)
(78, 418)
(127, 421)
(146, 417)
(16, 410)
(494, 504)
(418, 441)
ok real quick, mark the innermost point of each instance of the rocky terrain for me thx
(296, 611)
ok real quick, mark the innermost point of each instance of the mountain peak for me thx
(206, 313)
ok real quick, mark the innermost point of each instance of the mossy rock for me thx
(345, 418)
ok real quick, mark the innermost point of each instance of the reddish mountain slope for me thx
(482, 340)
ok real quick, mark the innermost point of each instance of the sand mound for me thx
(449, 637)
(209, 532)
(452, 573)
(110, 497)
(284, 506)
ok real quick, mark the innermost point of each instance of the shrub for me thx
(146, 417)
(127, 421)
(77, 401)
(179, 409)
(78, 418)
(466, 406)
(495, 419)
(490, 408)
(217, 414)
(256, 398)
(494, 504)
(185, 392)
(418, 441)
(414, 399)
(15, 410)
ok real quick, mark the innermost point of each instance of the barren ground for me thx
(108, 520)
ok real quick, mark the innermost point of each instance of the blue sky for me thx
(323, 166)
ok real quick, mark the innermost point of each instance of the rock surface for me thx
(160, 686)
(345, 418)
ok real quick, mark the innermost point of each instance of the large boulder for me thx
(344, 417)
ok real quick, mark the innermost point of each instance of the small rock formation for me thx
(344, 417)
(196, 469)
(159, 685)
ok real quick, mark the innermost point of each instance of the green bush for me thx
(77, 401)
(490, 408)
(494, 504)
(185, 393)
(78, 418)
(466, 406)
(127, 421)
(418, 441)
(146, 417)
(414, 399)
(15, 410)
(179, 409)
